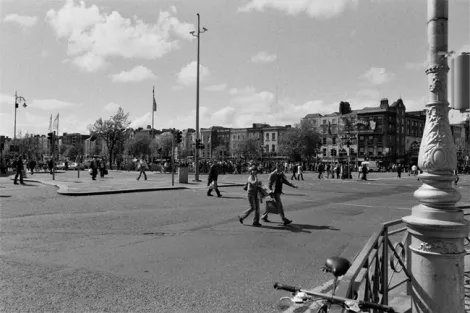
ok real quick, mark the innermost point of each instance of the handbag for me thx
(271, 206)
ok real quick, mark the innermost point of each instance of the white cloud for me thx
(263, 57)
(416, 65)
(112, 107)
(378, 76)
(369, 93)
(94, 36)
(51, 104)
(136, 74)
(141, 121)
(187, 75)
(313, 8)
(219, 87)
(23, 20)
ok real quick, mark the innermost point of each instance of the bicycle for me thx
(338, 267)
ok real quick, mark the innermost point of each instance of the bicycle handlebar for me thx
(336, 299)
(286, 287)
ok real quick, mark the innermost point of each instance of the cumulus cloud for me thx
(112, 107)
(141, 121)
(136, 74)
(263, 57)
(369, 93)
(51, 104)
(416, 65)
(94, 36)
(378, 76)
(219, 87)
(23, 20)
(313, 8)
(188, 74)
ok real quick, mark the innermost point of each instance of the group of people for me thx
(98, 165)
(256, 192)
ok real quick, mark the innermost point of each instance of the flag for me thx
(56, 122)
(50, 123)
(154, 102)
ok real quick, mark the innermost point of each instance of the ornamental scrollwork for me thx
(437, 152)
(439, 247)
(436, 83)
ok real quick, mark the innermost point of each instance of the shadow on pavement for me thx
(5, 196)
(299, 228)
(229, 197)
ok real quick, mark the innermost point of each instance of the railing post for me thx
(385, 266)
(408, 261)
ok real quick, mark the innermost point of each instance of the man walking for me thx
(94, 168)
(142, 166)
(18, 165)
(294, 172)
(212, 180)
(300, 172)
(276, 180)
(399, 170)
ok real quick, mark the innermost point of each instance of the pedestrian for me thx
(32, 165)
(276, 180)
(66, 165)
(364, 172)
(294, 172)
(50, 165)
(399, 170)
(456, 173)
(141, 167)
(94, 168)
(321, 167)
(300, 172)
(252, 188)
(18, 166)
(212, 180)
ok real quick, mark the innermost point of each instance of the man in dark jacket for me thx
(94, 168)
(18, 165)
(212, 180)
(276, 180)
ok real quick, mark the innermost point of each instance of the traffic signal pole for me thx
(53, 155)
(173, 160)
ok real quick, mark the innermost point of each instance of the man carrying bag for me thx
(276, 180)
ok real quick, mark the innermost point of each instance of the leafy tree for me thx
(220, 152)
(249, 148)
(110, 131)
(300, 142)
(139, 146)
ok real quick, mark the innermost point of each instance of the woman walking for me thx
(252, 191)
(142, 166)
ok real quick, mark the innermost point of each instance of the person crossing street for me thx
(276, 180)
(212, 180)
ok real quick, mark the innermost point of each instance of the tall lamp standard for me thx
(197, 34)
(437, 225)
(18, 100)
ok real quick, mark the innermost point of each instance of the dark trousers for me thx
(300, 175)
(142, 171)
(18, 173)
(94, 172)
(293, 176)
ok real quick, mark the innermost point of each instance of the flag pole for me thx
(153, 109)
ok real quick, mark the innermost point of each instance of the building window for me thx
(267, 137)
(333, 121)
(324, 151)
(361, 138)
(324, 122)
(274, 136)
(314, 122)
(324, 141)
(334, 140)
(273, 148)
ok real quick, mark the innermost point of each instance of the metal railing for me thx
(371, 275)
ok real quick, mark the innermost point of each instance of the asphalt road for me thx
(181, 251)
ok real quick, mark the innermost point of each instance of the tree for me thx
(220, 152)
(300, 142)
(249, 148)
(139, 146)
(110, 131)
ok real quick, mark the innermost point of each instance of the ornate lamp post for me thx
(437, 225)
(18, 101)
(197, 34)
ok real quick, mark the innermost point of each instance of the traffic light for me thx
(179, 136)
(198, 143)
(16, 105)
(49, 136)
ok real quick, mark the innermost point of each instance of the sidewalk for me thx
(68, 183)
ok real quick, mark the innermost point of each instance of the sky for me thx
(261, 61)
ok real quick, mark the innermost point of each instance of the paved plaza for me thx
(175, 249)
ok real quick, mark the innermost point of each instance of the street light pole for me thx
(199, 32)
(437, 225)
(18, 99)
